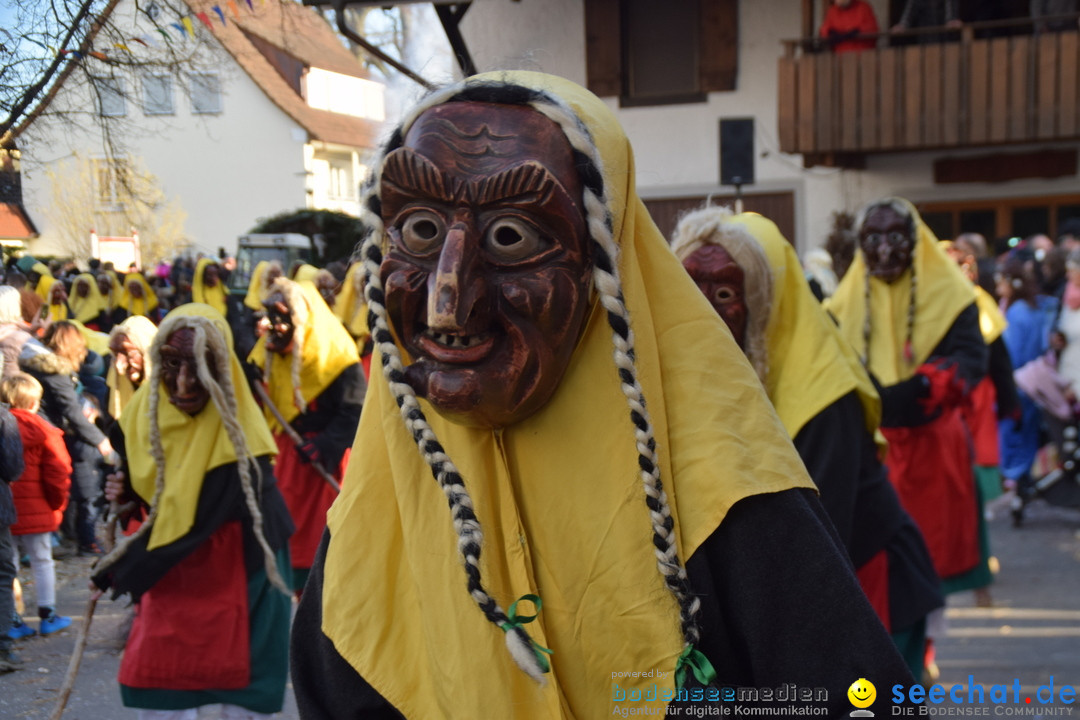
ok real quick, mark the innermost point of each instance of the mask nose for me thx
(456, 288)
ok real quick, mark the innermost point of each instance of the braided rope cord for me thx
(606, 279)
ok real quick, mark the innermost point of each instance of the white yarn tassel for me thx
(520, 646)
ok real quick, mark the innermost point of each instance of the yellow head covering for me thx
(305, 273)
(322, 351)
(257, 288)
(192, 445)
(992, 321)
(89, 307)
(96, 341)
(138, 306)
(559, 496)
(140, 331)
(112, 300)
(350, 307)
(212, 296)
(807, 365)
(44, 290)
(941, 294)
(44, 282)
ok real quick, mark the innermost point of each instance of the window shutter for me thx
(603, 57)
(719, 44)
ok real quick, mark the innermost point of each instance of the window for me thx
(651, 53)
(205, 93)
(157, 95)
(109, 181)
(110, 96)
(341, 185)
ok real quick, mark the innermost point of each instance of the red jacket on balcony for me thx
(844, 21)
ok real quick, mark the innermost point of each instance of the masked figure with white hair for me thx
(569, 495)
(751, 276)
(312, 375)
(129, 349)
(208, 569)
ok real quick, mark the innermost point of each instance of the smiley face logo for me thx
(862, 693)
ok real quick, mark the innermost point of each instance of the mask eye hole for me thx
(422, 231)
(724, 294)
(512, 240)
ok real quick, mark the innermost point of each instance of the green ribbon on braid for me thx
(693, 660)
(513, 621)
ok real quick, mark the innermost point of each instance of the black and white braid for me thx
(606, 279)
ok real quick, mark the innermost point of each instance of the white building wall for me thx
(677, 146)
(227, 170)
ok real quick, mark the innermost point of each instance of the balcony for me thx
(967, 91)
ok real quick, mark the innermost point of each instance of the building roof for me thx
(15, 224)
(294, 34)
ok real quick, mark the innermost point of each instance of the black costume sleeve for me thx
(1001, 374)
(331, 424)
(780, 605)
(963, 347)
(854, 488)
(220, 501)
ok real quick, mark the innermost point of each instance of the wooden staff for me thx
(293, 435)
(113, 519)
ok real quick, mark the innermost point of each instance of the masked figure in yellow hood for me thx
(129, 348)
(207, 285)
(138, 297)
(313, 378)
(86, 303)
(910, 313)
(209, 568)
(352, 311)
(621, 494)
(751, 276)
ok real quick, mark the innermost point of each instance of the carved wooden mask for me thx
(488, 272)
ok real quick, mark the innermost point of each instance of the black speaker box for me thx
(737, 151)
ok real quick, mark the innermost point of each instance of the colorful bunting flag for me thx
(140, 41)
(165, 35)
(233, 9)
(121, 46)
(220, 13)
(189, 25)
(204, 18)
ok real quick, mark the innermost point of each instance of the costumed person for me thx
(129, 347)
(910, 314)
(751, 275)
(138, 297)
(207, 287)
(1030, 316)
(38, 272)
(313, 378)
(352, 311)
(87, 304)
(56, 297)
(993, 399)
(557, 397)
(208, 570)
(40, 495)
(111, 292)
(251, 323)
(845, 21)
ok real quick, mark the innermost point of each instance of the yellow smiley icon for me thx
(862, 693)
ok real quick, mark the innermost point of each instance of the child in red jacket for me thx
(41, 494)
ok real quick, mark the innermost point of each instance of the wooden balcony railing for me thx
(959, 93)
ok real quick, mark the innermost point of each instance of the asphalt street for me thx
(1030, 634)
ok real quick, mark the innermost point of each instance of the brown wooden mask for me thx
(887, 239)
(179, 373)
(488, 271)
(722, 281)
